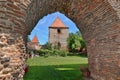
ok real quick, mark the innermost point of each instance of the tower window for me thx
(58, 30)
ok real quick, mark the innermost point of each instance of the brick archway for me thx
(99, 21)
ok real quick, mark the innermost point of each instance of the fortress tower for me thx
(58, 34)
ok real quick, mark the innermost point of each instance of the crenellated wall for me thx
(98, 21)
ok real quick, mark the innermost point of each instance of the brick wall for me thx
(98, 21)
(99, 24)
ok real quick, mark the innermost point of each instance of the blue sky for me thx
(41, 29)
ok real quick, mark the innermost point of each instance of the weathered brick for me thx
(1, 67)
(13, 6)
(98, 20)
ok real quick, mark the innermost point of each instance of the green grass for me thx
(55, 68)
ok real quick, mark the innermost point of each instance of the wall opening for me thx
(57, 35)
(58, 31)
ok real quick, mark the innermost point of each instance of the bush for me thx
(54, 52)
(44, 52)
(48, 46)
(63, 53)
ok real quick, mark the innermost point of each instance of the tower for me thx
(34, 44)
(35, 39)
(58, 34)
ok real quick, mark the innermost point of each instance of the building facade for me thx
(58, 34)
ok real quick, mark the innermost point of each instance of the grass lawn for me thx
(55, 68)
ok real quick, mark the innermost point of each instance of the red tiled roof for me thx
(58, 23)
(35, 39)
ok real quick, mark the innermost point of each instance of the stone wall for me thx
(98, 21)
(56, 38)
(12, 56)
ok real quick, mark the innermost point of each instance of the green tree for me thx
(75, 41)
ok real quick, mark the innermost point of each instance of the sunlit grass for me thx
(64, 69)
(55, 68)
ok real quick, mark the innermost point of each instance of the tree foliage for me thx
(75, 41)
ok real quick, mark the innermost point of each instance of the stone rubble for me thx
(11, 60)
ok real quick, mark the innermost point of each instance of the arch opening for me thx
(98, 20)
(49, 26)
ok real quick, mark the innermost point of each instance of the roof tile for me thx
(58, 23)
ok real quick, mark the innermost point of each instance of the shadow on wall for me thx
(56, 72)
